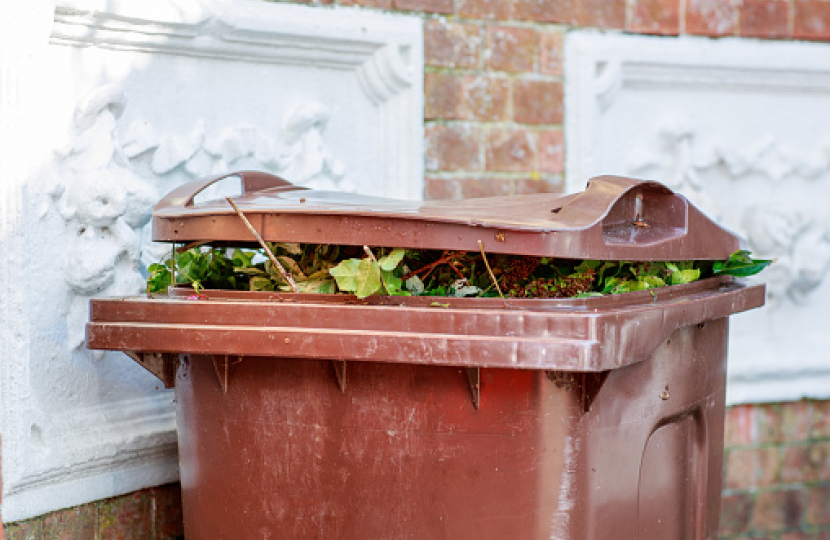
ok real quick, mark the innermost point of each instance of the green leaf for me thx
(368, 278)
(317, 286)
(391, 261)
(259, 283)
(684, 276)
(610, 285)
(361, 276)
(345, 274)
(393, 284)
(740, 264)
(586, 265)
(290, 247)
(242, 258)
(653, 281)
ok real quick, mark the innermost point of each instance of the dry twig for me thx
(285, 275)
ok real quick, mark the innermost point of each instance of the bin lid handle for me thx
(251, 181)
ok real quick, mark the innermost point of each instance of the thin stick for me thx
(173, 265)
(490, 271)
(369, 252)
(285, 275)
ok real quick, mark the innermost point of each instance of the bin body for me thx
(389, 418)
(624, 454)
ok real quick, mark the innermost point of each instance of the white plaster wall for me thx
(742, 128)
(104, 107)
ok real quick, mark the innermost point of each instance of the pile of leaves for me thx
(323, 268)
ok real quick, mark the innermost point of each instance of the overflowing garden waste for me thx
(364, 271)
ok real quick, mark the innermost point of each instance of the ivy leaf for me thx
(242, 259)
(740, 264)
(368, 278)
(345, 274)
(684, 276)
(361, 276)
(393, 284)
(160, 278)
(586, 265)
(653, 281)
(611, 285)
(391, 261)
(317, 286)
(259, 283)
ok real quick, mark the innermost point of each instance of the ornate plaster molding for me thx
(81, 426)
(741, 128)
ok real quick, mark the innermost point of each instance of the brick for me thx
(712, 17)
(547, 11)
(485, 187)
(598, 13)
(769, 423)
(818, 505)
(752, 467)
(820, 419)
(655, 17)
(494, 10)
(383, 4)
(545, 184)
(451, 148)
(551, 53)
(806, 463)
(511, 150)
(438, 188)
(735, 514)
(795, 420)
(30, 530)
(451, 45)
(312, 2)
(538, 102)
(167, 511)
(552, 151)
(783, 422)
(739, 426)
(425, 6)
(442, 96)
(801, 535)
(765, 18)
(811, 20)
(510, 49)
(126, 518)
(778, 510)
(74, 524)
(485, 98)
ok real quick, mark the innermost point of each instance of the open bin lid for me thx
(615, 218)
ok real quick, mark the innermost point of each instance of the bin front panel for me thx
(402, 453)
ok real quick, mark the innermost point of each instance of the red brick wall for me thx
(777, 472)
(149, 514)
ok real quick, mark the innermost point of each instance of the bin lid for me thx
(615, 218)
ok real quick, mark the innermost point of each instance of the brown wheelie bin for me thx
(325, 416)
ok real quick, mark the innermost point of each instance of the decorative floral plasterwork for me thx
(798, 236)
(105, 184)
